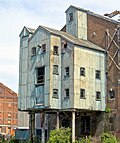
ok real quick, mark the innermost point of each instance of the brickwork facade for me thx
(97, 27)
(8, 110)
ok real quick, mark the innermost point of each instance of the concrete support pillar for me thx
(32, 126)
(43, 129)
(73, 126)
(57, 125)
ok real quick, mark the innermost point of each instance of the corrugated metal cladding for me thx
(50, 66)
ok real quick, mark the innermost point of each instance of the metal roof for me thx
(73, 39)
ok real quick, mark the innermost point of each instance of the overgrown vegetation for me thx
(109, 138)
(61, 135)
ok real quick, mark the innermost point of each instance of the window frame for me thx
(82, 93)
(55, 69)
(55, 50)
(98, 74)
(55, 95)
(38, 75)
(67, 93)
(82, 71)
(43, 48)
(67, 71)
(98, 94)
(70, 17)
(33, 51)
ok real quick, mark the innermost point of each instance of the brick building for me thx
(8, 110)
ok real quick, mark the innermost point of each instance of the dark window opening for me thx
(55, 50)
(67, 93)
(40, 75)
(98, 95)
(55, 93)
(111, 120)
(97, 74)
(70, 17)
(65, 45)
(55, 69)
(67, 71)
(33, 51)
(85, 125)
(65, 123)
(112, 94)
(43, 48)
(82, 93)
(82, 71)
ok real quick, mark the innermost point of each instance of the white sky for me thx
(15, 14)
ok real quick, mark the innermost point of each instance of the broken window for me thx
(55, 93)
(112, 94)
(43, 48)
(82, 71)
(97, 74)
(67, 93)
(40, 75)
(33, 51)
(98, 95)
(70, 17)
(67, 71)
(55, 69)
(55, 50)
(82, 93)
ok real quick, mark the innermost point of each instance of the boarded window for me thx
(97, 74)
(55, 69)
(40, 75)
(33, 51)
(55, 50)
(55, 93)
(98, 95)
(82, 71)
(82, 93)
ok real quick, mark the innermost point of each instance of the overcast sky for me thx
(15, 14)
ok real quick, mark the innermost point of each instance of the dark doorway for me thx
(85, 125)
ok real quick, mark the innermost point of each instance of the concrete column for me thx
(32, 126)
(43, 129)
(57, 126)
(73, 126)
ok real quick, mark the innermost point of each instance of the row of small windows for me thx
(82, 94)
(82, 72)
(43, 50)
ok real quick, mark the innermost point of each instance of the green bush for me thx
(61, 135)
(108, 138)
(84, 140)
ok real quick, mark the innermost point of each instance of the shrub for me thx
(108, 138)
(61, 135)
(84, 140)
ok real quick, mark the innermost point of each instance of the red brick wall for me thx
(96, 34)
(8, 108)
